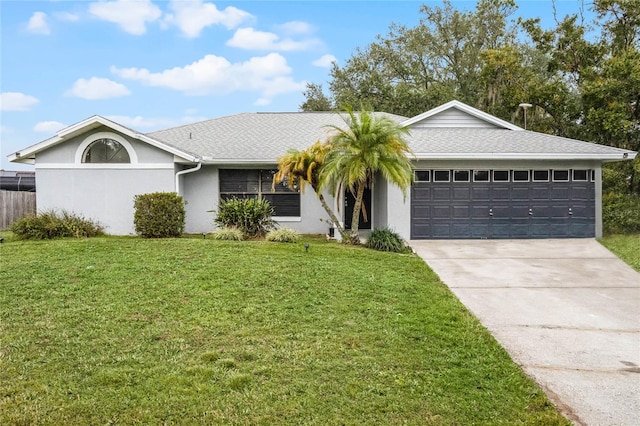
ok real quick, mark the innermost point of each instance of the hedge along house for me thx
(476, 176)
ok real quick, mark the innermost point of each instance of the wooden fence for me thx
(14, 205)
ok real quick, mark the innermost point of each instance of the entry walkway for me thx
(567, 311)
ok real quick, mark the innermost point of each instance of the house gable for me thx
(455, 114)
(90, 126)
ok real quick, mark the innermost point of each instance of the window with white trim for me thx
(481, 175)
(253, 183)
(580, 175)
(105, 150)
(422, 175)
(461, 175)
(500, 175)
(541, 175)
(520, 175)
(441, 175)
(561, 175)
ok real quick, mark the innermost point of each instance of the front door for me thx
(350, 201)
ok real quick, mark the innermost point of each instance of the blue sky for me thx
(151, 65)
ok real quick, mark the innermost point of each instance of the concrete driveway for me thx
(567, 311)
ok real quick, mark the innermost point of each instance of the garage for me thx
(503, 203)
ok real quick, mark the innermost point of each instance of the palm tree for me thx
(301, 168)
(370, 144)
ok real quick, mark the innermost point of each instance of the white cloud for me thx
(16, 101)
(268, 75)
(193, 16)
(48, 126)
(324, 61)
(295, 27)
(262, 101)
(97, 88)
(38, 24)
(131, 15)
(67, 16)
(251, 39)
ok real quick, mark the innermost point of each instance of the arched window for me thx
(105, 150)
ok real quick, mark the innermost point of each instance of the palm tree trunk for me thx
(334, 219)
(355, 219)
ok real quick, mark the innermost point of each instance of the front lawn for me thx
(191, 331)
(626, 247)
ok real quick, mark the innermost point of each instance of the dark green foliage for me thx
(159, 215)
(251, 215)
(51, 224)
(621, 213)
(385, 240)
(620, 204)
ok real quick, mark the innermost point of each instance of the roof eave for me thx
(239, 161)
(626, 156)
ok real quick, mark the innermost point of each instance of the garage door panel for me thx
(559, 193)
(539, 228)
(519, 212)
(581, 211)
(503, 210)
(539, 192)
(460, 230)
(519, 228)
(480, 229)
(520, 193)
(441, 230)
(421, 212)
(559, 211)
(421, 230)
(558, 228)
(541, 211)
(421, 193)
(480, 212)
(440, 193)
(460, 193)
(499, 229)
(480, 193)
(461, 212)
(582, 192)
(441, 212)
(580, 229)
(500, 193)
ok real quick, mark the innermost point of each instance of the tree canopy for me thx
(582, 77)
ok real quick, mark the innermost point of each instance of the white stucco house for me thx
(476, 176)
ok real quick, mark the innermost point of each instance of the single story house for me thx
(476, 176)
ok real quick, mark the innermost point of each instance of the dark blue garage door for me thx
(524, 204)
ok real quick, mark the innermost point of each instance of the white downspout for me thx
(184, 172)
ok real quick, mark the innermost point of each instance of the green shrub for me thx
(283, 235)
(252, 216)
(230, 234)
(51, 224)
(385, 240)
(159, 215)
(621, 213)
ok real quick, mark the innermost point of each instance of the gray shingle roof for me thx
(263, 137)
(500, 141)
(253, 136)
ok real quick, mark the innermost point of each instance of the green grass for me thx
(626, 247)
(194, 331)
